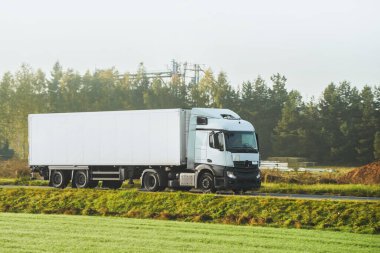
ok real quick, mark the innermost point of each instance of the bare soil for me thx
(367, 174)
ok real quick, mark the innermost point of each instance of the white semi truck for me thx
(206, 149)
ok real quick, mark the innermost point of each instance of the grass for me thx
(352, 216)
(62, 233)
(23, 181)
(358, 190)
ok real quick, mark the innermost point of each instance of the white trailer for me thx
(146, 137)
(165, 148)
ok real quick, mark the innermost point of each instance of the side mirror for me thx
(220, 141)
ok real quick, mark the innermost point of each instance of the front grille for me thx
(245, 164)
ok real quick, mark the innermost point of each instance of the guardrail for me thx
(281, 166)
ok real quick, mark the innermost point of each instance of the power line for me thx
(177, 69)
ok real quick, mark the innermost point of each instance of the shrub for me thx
(354, 216)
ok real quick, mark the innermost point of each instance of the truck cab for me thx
(226, 151)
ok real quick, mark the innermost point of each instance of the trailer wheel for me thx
(81, 179)
(59, 179)
(206, 182)
(112, 184)
(151, 181)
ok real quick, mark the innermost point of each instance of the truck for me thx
(202, 148)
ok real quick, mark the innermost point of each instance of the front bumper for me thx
(239, 179)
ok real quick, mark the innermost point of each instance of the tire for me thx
(81, 179)
(114, 184)
(59, 179)
(151, 182)
(206, 182)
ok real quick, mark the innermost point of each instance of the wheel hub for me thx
(57, 179)
(151, 181)
(206, 183)
(81, 180)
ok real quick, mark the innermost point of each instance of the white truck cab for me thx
(227, 146)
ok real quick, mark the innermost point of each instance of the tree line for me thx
(342, 126)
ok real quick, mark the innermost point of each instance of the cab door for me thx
(216, 154)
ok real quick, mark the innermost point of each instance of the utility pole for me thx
(176, 70)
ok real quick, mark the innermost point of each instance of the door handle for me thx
(209, 160)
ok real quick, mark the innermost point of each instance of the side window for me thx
(211, 141)
(219, 137)
(216, 141)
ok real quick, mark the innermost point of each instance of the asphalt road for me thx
(310, 196)
(253, 194)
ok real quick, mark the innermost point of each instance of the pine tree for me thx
(289, 133)
(376, 146)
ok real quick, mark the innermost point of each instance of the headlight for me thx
(230, 174)
(258, 176)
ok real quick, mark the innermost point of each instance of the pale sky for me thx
(311, 42)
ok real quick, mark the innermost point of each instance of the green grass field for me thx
(64, 233)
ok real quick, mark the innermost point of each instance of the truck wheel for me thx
(80, 179)
(206, 182)
(114, 184)
(59, 179)
(151, 181)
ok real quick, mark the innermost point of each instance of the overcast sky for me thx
(311, 42)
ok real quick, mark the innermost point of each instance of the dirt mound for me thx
(368, 174)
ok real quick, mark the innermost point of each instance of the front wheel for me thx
(206, 182)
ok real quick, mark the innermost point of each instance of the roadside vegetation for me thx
(339, 182)
(61, 233)
(358, 190)
(353, 216)
(14, 168)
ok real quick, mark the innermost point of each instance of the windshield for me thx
(241, 142)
